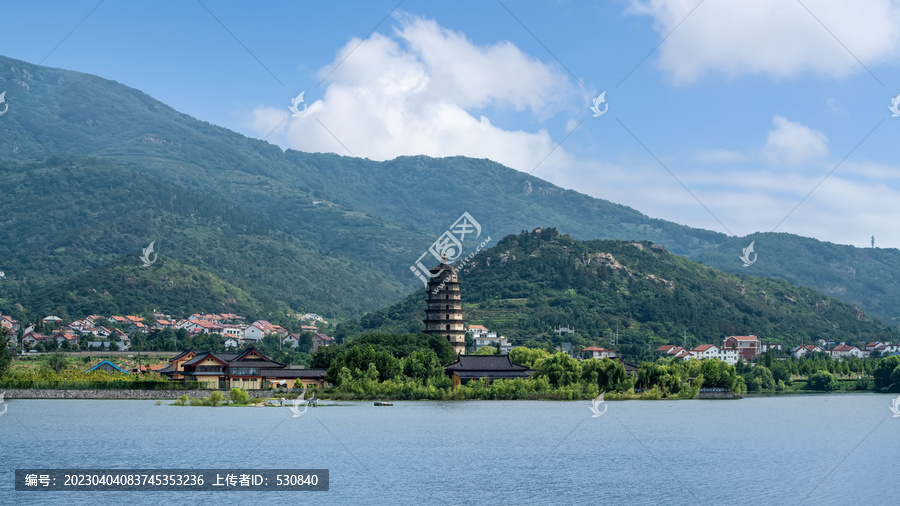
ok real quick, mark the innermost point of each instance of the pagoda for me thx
(443, 314)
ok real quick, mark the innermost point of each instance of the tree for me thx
(760, 378)
(895, 379)
(57, 362)
(559, 369)
(883, 371)
(822, 380)
(5, 354)
(609, 375)
(527, 356)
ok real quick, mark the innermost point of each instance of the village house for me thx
(596, 352)
(320, 340)
(765, 347)
(799, 351)
(292, 340)
(844, 350)
(478, 331)
(313, 316)
(9, 323)
(747, 346)
(138, 327)
(100, 332)
(80, 326)
(52, 320)
(32, 338)
(712, 351)
(675, 351)
(254, 333)
(231, 343)
(162, 324)
(62, 336)
(489, 339)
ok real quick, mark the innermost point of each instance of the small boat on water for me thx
(381, 403)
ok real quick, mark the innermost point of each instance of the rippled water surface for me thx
(812, 449)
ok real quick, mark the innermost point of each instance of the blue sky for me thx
(722, 114)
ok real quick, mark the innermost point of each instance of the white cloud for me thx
(793, 144)
(426, 90)
(847, 208)
(719, 156)
(774, 37)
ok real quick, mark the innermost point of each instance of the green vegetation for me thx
(243, 226)
(535, 281)
(6, 357)
(374, 372)
(238, 396)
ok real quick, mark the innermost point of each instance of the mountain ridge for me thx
(375, 217)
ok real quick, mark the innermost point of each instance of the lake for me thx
(810, 449)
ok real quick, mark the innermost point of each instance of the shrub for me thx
(215, 398)
(238, 396)
(822, 380)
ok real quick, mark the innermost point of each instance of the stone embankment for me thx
(49, 393)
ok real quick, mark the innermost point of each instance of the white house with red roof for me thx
(799, 351)
(477, 331)
(61, 336)
(748, 347)
(163, 323)
(712, 351)
(845, 350)
(9, 323)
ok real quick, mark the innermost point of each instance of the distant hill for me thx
(537, 281)
(321, 232)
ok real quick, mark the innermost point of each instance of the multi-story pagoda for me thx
(443, 314)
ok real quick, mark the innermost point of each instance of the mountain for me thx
(327, 233)
(536, 281)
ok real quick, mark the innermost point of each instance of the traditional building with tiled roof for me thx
(474, 367)
(249, 369)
